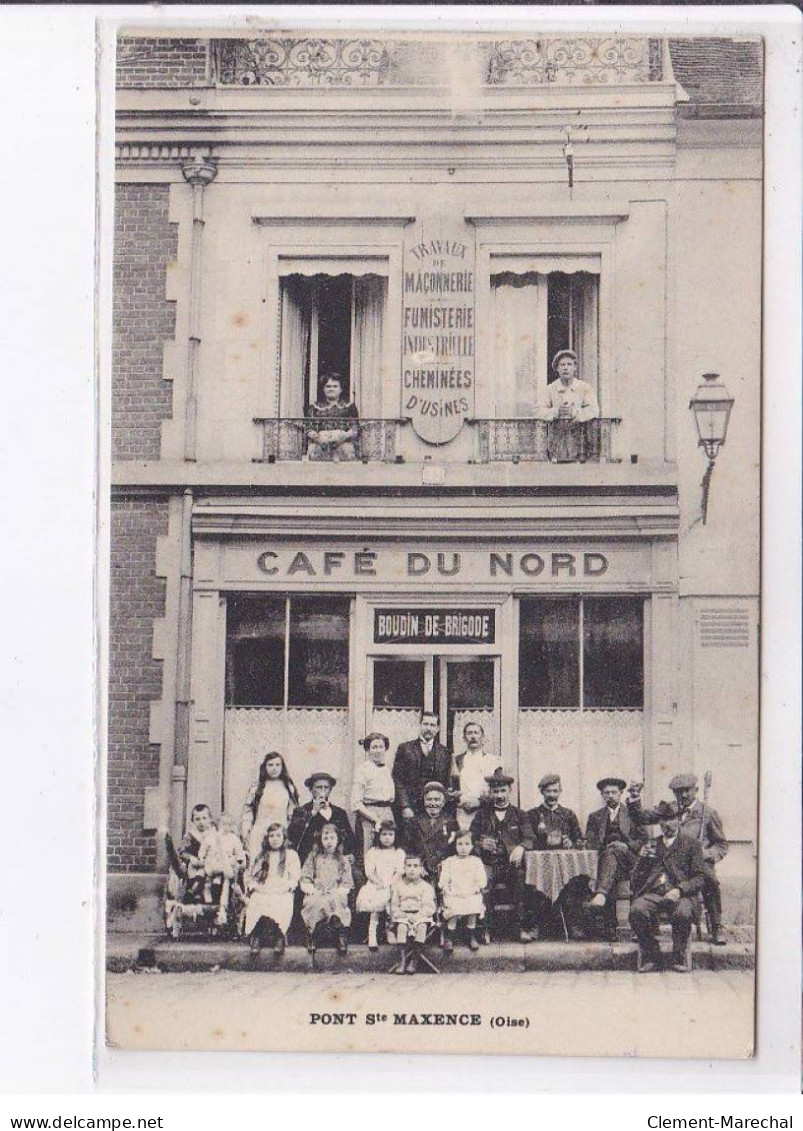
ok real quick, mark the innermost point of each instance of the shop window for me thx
(312, 633)
(255, 633)
(549, 653)
(332, 323)
(613, 652)
(399, 684)
(542, 305)
(319, 652)
(581, 652)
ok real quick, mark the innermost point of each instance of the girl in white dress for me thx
(270, 802)
(271, 884)
(384, 863)
(373, 792)
(462, 881)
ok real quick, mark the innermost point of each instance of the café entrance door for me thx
(461, 689)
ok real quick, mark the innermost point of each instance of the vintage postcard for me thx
(432, 721)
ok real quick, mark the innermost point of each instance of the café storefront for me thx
(562, 648)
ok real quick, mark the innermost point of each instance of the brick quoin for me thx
(135, 678)
(144, 244)
(160, 62)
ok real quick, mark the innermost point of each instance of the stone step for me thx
(141, 953)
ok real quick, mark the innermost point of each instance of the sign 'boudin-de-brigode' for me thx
(438, 330)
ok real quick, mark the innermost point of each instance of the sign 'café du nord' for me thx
(467, 565)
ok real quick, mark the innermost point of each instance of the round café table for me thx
(551, 870)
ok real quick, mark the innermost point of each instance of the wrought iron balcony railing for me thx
(512, 440)
(287, 438)
(541, 441)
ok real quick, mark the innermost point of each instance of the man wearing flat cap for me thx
(569, 403)
(699, 822)
(431, 834)
(309, 819)
(667, 877)
(554, 827)
(615, 835)
(502, 834)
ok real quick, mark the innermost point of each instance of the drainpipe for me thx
(198, 173)
(181, 747)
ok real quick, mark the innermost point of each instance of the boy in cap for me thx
(431, 834)
(307, 821)
(615, 835)
(554, 826)
(699, 822)
(569, 402)
(667, 876)
(502, 834)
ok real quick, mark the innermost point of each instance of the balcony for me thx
(522, 440)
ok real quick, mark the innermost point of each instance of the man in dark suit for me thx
(699, 822)
(431, 834)
(669, 874)
(555, 827)
(307, 821)
(502, 834)
(417, 762)
(613, 833)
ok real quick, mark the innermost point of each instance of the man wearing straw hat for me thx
(569, 403)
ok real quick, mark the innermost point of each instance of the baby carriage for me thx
(207, 906)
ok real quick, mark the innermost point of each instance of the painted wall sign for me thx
(438, 329)
(428, 626)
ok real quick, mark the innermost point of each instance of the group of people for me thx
(435, 838)
(332, 427)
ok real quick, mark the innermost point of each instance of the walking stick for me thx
(706, 786)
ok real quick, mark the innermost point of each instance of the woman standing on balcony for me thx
(569, 402)
(337, 437)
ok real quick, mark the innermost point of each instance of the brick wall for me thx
(135, 678)
(144, 243)
(160, 62)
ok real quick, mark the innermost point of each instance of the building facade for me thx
(432, 220)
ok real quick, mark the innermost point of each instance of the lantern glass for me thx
(712, 406)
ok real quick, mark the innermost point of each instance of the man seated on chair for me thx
(502, 834)
(667, 877)
(613, 833)
(702, 824)
(307, 821)
(556, 827)
(431, 834)
(420, 761)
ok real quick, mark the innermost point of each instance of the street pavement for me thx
(703, 1014)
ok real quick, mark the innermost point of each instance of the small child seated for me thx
(200, 834)
(271, 886)
(384, 863)
(412, 909)
(326, 881)
(463, 881)
(222, 856)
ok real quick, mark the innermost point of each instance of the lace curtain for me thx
(367, 342)
(581, 746)
(296, 310)
(308, 738)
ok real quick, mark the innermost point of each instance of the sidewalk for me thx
(137, 952)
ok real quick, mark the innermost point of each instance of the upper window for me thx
(332, 321)
(287, 651)
(541, 305)
(581, 652)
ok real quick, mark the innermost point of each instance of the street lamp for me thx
(711, 405)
